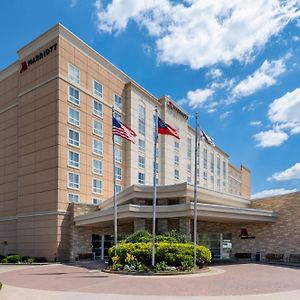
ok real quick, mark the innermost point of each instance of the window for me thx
(97, 186)
(73, 181)
(97, 147)
(97, 166)
(118, 188)
(212, 181)
(218, 183)
(118, 173)
(224, 169)
(118, 140)
(189, 148)
(97, 128)
(118, 116)
(224, 185)
(141, 119)
(141, 145)
(141, 162)
(189, 179)
(74, 95)
(118, 102)
(97, 108)
(98, 89)
(176, 160)
(73, 198)
(212, 162)
(96, 201)
(205, 158)
(176, 174)
(74, 138)
(176, 147)
(141, 178)
(73, 73)
(118, 155)
(205, 176)
(218, 166)
(74, 159)
(74, 117)
(189, 168)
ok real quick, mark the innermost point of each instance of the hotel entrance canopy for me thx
(175, 201)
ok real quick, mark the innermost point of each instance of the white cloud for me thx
(272, 192)
(270, 138)
(296, 38)
(225, 115)
(214, 73)
(255, 123)
(201, 33)
(264, 77)
(284, 114)
(290, 173)
(73, 3)
(197, 98)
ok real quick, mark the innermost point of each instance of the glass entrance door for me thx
(220, 244)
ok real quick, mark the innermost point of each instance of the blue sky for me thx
(235, 63)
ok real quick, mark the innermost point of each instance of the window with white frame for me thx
(118, 188)
(97, 128)
(189, 168)
(224, 169)
(218, 166)
(212, 181)
(73, 138)
(74, 159)
(176, 147)
(141, 145)
(118, 140)
(118, 102)
(73, 198)
(73, 73)
(189, 148)
(118, 155)
(97, 186)
(118, 116)
(212, 162)
(96, 201)
(97, 166)
(205, 158)
(97, 108)
(141, 119)
(73, 181)
(97, 147)
(74, 95)
(141, 162)
(218, 183)
(141, 178)
(176, 160)
(98, 89)
(176, 174)
(74, 117)
(205, 177)
(118, 173)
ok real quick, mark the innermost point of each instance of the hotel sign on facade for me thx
(25, 64)
(172, 106)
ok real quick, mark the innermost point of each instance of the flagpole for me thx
(115, 194)
(154, 189)
(195, 193)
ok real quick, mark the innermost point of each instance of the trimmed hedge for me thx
(173, 254)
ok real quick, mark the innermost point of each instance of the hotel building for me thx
(56, 167)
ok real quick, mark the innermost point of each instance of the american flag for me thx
(123, 131)
(206, 138)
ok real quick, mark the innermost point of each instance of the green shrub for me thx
(173, 254)
(141, 236)
(13, 259)
(4, 261)
(161, 266)
(0, 286)
(30, 260)
(2, 257)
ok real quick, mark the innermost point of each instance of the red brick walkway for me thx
(236, 280)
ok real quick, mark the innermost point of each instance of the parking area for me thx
(66, 281)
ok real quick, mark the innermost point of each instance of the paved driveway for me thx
(224, 282)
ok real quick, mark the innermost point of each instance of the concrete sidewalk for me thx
(15, 293)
